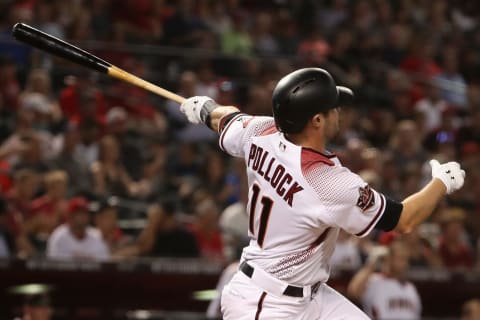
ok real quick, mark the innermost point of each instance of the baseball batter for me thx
(300, 196)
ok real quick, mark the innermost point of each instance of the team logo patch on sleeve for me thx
(366, 198)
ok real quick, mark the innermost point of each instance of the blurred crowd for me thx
(75, 147)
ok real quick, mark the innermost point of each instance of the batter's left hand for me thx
(451, 174)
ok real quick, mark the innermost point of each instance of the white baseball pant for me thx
(244, 298)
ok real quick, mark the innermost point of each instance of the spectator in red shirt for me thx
(25, 185)
(80, 101)
(454, 249)
(5, 179)
(206, 230)
(135, 100)
(421, 66)
(134, 17)
(49, 210)
(420, 61)
(9, 85)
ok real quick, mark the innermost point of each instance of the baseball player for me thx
(300, 196)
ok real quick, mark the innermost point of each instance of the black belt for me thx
(292, 291)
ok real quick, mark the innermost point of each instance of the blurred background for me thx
(158, 208)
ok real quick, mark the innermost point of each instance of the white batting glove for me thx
(449, 173)
(192, 108)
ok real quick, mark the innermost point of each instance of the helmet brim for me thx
(345, 97)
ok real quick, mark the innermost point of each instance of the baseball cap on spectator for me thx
(77, 204)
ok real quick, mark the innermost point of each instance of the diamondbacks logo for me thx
(366, 198)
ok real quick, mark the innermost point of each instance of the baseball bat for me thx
(60, 48)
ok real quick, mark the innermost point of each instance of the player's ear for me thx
(317, 120)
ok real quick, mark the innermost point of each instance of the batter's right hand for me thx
(192, 108)
(451, 174)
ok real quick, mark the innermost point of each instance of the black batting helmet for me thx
(303, 93)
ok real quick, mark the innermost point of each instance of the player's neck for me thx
(308, 141)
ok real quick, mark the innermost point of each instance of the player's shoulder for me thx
(240, 130)
(312, 159)
(323, 170)
(259, 124)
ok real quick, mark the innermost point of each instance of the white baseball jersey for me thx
(388, 298)
(62, 244)
(298, 200)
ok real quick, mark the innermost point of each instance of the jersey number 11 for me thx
(267, 204)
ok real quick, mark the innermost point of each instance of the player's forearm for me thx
(358, 283)
(418, 207)
(219, 113)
